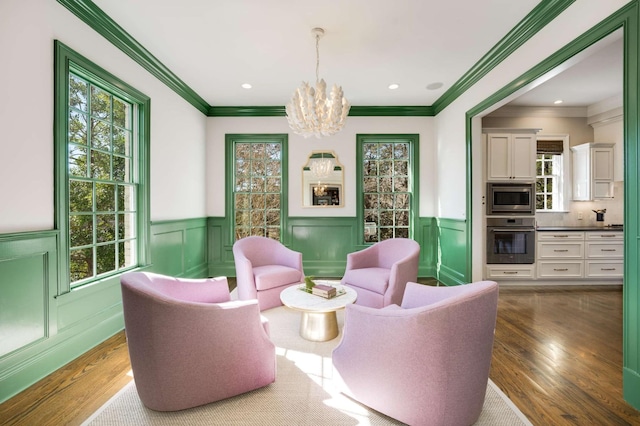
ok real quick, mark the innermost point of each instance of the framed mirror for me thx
(322, 180)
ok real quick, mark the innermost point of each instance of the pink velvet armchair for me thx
(189, 344)
(426, 362)
(380, 272)
(265, 267)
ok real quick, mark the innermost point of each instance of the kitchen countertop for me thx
(578, 228)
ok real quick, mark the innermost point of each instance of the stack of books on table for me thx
(325, 291)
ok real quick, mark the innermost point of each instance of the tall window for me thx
(258, 182)
(388, 198)
(549, 175)
(99, 193)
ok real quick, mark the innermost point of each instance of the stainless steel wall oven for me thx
(511, 240)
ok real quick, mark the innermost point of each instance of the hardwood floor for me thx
(557, 355)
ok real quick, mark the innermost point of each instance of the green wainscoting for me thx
(179, 247)
(325, 242)
(452, 251)
(42, 328)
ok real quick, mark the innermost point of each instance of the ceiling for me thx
(216, 46)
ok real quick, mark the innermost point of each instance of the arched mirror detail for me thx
(322, 180)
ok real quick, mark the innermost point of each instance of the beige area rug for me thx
(301, 395)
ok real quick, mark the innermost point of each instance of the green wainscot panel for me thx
(452, 243)
(23, 295)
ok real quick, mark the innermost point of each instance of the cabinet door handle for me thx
(560, 269)
(607, 269)
(560, 236)
(607, 236)
(560, 250)
(510, 272)
(607, 249)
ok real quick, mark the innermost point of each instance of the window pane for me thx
(77, 128)
(126, 226)
(100, 103)
(80, 264)
(80, 230)
(100, 165)
(80, 196)
(105, 258)
(78, 160)
(105, 197)
(77, 93)
(126, 254)
(100, 135)
(105, 228)
(121, 113)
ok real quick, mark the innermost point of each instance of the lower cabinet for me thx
(580, 255)
(510, 272)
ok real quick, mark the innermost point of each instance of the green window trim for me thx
(231, 142)
(66, 62)
(413, 187)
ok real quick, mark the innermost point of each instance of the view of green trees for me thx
(387, 197)
(101, 187)
(257, 189)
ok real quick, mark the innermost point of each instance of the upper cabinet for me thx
(592, 171)
(511, 154)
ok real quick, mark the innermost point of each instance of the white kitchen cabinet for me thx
(592, 171)
(588, 255)
(510, 272)
(511, 154)
(604, 255)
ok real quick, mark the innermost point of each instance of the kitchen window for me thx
(550, 174)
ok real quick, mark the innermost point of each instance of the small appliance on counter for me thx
(600, 214)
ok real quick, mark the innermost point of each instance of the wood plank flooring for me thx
(557, 355)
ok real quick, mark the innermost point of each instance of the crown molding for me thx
(89, 13)
(538, 18)
(92, 15)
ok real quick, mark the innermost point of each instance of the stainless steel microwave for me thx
(510, 198)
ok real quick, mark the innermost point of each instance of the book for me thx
(325, 291)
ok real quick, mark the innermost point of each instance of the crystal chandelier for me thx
(320, 190)
(310, 112)
(321, 168)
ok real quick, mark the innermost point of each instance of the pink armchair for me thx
(380, 272)
(265, 267)
(189, 344)
(426, 362)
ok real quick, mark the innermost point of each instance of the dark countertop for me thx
(578, 228)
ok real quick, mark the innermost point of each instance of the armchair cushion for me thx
(272, 276)
(373, 279)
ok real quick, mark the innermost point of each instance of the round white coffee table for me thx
(319, 322)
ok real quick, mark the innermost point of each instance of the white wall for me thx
(343, 144)
(450, 123)
(27, 31)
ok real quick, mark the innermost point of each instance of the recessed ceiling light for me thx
(559, 101)
(434, 86)
(246, 86)
(393, 86)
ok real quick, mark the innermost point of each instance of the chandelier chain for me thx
(317, 58)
